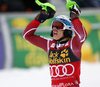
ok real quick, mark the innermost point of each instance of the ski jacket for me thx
(64, 58)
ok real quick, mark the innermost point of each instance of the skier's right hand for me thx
(48, 11)
(43, 15)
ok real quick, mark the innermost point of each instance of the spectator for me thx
(19, 5)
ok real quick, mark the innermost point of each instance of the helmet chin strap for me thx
(60, 39)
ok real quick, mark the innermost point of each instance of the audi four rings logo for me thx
(61, 70)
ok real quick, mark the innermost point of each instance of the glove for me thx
(73, 8)
(76, 9)
(73, 15)
(43, 15)
(48, 11)
(74, 12)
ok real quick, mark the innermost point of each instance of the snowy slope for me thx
(39, 77)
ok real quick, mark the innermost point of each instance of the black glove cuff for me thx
(73, 15)
(42, 16)
(51, 12)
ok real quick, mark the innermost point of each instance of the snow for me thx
(39, 77)
(90, 74)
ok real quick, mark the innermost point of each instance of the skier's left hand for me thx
(73, 8)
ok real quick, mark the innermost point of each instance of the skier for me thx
(64, 49)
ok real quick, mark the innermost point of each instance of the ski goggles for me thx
(60, 29)
(66, 25)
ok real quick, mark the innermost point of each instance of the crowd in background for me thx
(88, 3)
(30, 5)
(19, 5)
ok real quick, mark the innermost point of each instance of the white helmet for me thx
(68, 27)
(66, 22)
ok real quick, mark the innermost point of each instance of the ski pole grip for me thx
(45, 5)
